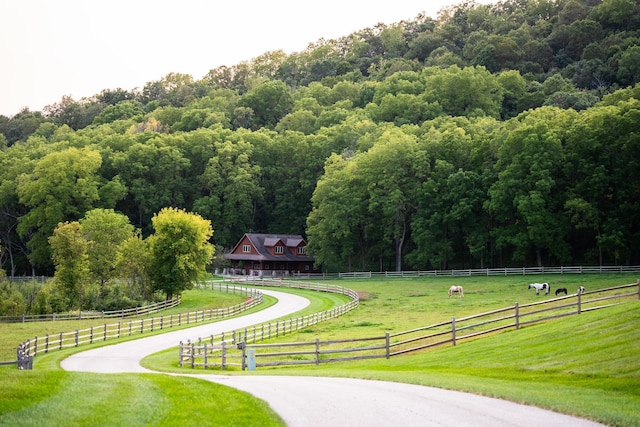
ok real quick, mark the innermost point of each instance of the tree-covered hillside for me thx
(501, 135)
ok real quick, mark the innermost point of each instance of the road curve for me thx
(320, 401)
(126, 357)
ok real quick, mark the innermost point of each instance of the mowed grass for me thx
(584, 365)
(58, 398)
(12, 334)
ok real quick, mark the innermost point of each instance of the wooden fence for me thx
(213, 351)
(506, 271)
(31, 347)
(222, 354)
(84, 315)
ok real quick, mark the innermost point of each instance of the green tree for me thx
(105, 230)
(527, 199)
(63, 186)
(336, 223)
(70, 256)
(12, 302)
(270, 101)
(133, 266)
(391, 170)
(230, 190)
(470, 91)
(180, 250)
(154, 172)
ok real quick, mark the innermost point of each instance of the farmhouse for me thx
(271, 255)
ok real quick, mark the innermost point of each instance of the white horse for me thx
(457, 289)
(540, 286)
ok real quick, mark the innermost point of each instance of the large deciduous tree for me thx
(528, 197)
(69, 252)
(63, 186)
(105, 230)
(180, 249)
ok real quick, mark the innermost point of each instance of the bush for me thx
(12, 302)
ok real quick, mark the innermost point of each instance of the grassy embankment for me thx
(583, 365)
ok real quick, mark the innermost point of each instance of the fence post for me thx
(180, 355)
(91, 335)
(517, 315)
(205, 355)
(105, 332)
(76, 337)
(46, 343)
(453, 330)
(387, 344)
(317, 351)
(193, 356)
(579, 303)
(223, 362)
(638, 288)
(243, 346)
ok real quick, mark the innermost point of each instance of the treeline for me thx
(494, 135)
(102, 263)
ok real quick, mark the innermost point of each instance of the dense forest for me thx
(497, 135)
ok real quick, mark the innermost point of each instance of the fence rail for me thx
(84, 315)
(506, 271)
(31, 347)
(243, 354)
(218, 350)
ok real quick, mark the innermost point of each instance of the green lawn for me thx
(584, 365)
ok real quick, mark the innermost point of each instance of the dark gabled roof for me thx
(261, 242)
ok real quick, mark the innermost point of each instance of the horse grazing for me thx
(561, 291)
(581, 290)
(457, 289)
(540, 286)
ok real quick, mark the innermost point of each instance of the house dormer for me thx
(274, 245)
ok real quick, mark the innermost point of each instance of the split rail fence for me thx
(245, 353)
(214, 351)
(84, 315)
(31, 347)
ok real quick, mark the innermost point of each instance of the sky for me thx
(50, 49)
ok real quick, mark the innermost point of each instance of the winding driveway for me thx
(319, 401)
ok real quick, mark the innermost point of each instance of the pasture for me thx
(584, 365)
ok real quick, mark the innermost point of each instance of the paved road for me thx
(318, 401)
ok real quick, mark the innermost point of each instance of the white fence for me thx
(506, 271)
(33, 346)
(83, 315)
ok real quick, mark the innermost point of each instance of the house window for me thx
(306, 267)
(301, 250)
(246, 248)
(279, 250)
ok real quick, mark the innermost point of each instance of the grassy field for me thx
(583, 365)
(13, 334)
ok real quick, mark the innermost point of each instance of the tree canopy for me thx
(495, 135)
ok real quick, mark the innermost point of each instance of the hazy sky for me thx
(51, 48)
